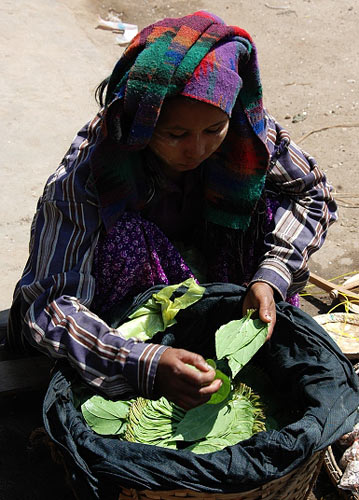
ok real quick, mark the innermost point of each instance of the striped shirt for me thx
(57, 287)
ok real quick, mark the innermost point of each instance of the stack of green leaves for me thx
(209, 428)
(233, 413)
(154, 422)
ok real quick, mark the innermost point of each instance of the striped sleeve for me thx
(57, 287)
(306, 210)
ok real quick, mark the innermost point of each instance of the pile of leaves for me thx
(203, 429)
(233, 413)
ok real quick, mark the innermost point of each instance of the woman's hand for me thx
(180, 383)
(261, 296)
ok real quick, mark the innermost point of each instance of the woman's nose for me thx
(195, 147)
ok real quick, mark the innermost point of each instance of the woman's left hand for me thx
(261, 296)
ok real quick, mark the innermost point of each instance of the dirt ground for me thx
(52, 58)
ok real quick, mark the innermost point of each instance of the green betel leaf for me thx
(216, 443)
(259, 332)
(239, 340)
(159, 312)
(208, 445)
(223, 391)
(169, 308)
(204, 429)
(203, 421)
(144, 323)
(104, 426)
(105, 416)
(101, 407)
(212, 363)
(227, 338)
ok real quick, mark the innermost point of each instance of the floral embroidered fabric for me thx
(136, 255)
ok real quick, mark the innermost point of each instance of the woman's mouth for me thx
(191, 164)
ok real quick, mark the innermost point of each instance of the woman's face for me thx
(187, 133)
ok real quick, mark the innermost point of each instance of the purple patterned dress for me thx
(136, 255)
(132, 257)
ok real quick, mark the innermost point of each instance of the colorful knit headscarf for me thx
(216, 80)
(200, 57)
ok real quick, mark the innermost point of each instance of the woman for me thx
(182, 173)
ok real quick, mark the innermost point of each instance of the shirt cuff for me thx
(141, 367)
(276, 274)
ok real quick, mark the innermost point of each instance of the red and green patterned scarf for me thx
(200, 57)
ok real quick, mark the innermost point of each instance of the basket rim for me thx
(349, 344)
(302, 480)
(349, 317)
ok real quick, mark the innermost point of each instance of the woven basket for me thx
(334, 471)
(335, 474)
(296, 485)
(344, 330)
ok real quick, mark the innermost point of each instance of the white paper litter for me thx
(126, 31)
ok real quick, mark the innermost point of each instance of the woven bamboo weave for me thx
(334, 471)
(335, 475)
(296, 485)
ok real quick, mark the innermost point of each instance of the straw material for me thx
(334, 471)
(297, 485)
(344, 330)
(335, 474)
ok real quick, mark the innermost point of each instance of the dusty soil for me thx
(308, 56)
(52, 60)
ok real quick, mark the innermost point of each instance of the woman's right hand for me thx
(180, 383)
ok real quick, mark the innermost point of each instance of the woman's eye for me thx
(176, 136)
(214, 130)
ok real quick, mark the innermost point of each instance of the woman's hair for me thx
(100, 92)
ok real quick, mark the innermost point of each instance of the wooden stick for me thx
(351, 285)
(332, 288)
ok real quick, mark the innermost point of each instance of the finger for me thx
(271, 326)
(195, 378)
(190, 399)
(188, 403)
(268, 315)
(265, 314)
(211, 388)
(196, 360)
(200, 393)
(266, 306)
(204, 395)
